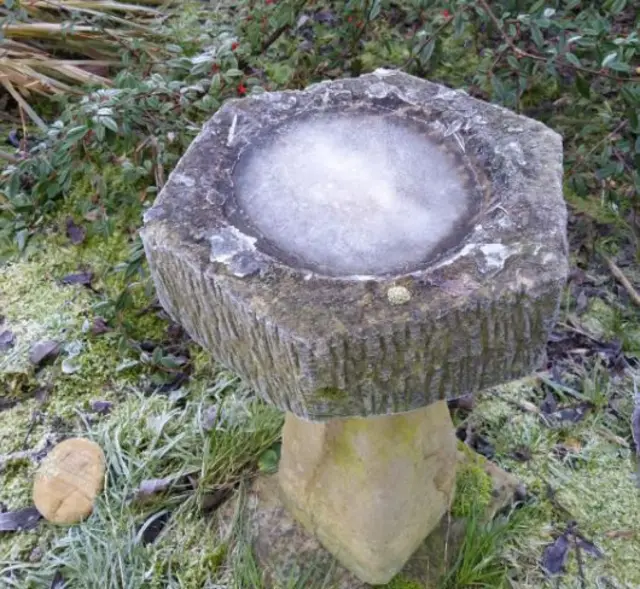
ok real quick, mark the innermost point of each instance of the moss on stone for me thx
(473, 485)
(401, 582)
(331, 394)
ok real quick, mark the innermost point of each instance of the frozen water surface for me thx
(353, 195)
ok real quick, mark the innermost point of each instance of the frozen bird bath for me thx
(359, 252)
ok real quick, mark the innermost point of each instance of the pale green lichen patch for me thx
(582, 471)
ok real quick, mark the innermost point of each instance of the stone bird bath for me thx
(359, 252)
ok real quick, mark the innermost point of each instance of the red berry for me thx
(234, 45)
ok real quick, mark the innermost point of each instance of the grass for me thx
(148, 438)
(96, 148)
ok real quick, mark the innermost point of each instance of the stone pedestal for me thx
(358, 252)
(289, 555)
(371, 489)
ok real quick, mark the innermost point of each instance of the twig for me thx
(23, 139)
(583, 583)
(24, 104)
(623, 280)
(12, 159)
(27, 454)
(521, 52)
(596, 145)
(428, 40)
(271, 39)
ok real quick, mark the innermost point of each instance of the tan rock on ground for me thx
(69, 480)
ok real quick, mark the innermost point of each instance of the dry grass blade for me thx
(102, 5)
(91, 33)
(24, 105)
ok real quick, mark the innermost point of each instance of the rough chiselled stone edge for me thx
(302, 339)
(397, 367)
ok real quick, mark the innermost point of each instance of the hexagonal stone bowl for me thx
(366, 246)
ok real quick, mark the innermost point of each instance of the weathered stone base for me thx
(371, 490)
(286, 552)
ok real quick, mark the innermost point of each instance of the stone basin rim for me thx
(225, 130)
(466, 176)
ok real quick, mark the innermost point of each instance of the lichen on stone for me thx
(398, 295)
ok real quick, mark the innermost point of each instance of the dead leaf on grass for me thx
(99, 326)
(152, 487)
(75, 233)
(20, 520)
(82, 278)
(152, 527)
(101, 407)
(58, 581)
(555, 555)
(44, 350)
(7, 340)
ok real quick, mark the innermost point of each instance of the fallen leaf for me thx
(151, 487)
(589, 547)
(549, 405)
(521, 454)
(7, 339)
(555, 554)
(210, 418)
(573, 414)
(83, 278)
(99, 326)
(44, 350)
(174, 384)
(464, 403)
(7, 403)
(75, 233)
(58, 581)
(211, 501)
(151, 529)
(21, 520)
(101, 407)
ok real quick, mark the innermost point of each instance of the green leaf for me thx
(427, 52)
(537, 36)
(638, 144)
(458, 24)
(513, 62)
(375, 9)
(171, 361)
(573, 59)
(583, 86)
(618, 6)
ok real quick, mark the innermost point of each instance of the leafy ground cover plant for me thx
(179, 433)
